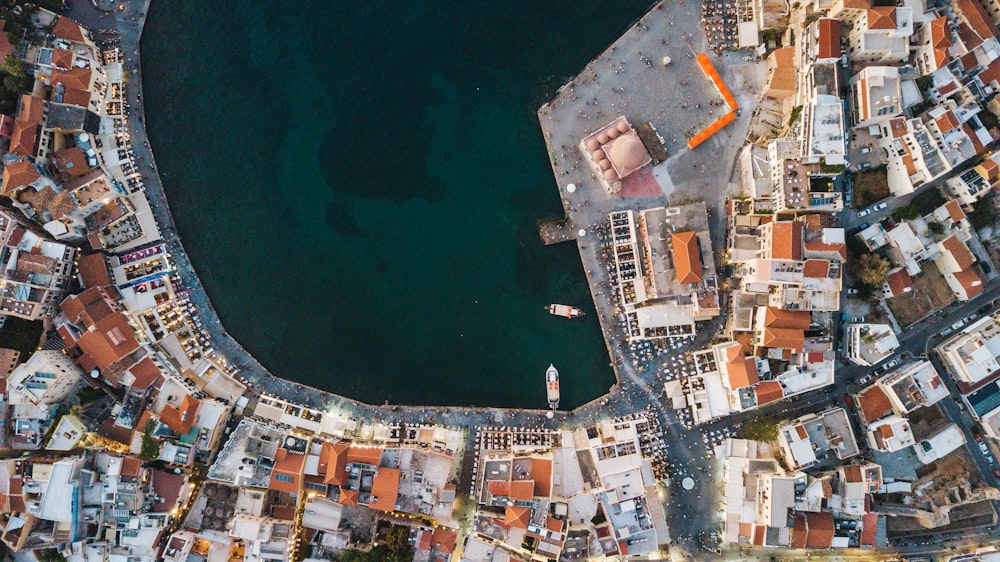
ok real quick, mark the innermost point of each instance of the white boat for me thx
(552, 386)
(564, 310)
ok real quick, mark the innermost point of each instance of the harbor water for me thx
(357, 184)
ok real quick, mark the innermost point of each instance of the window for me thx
(283, 478)
(316, 486)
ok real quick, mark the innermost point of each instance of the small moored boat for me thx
(552, 386)
(564, 310)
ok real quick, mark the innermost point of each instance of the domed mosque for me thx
(615, 151)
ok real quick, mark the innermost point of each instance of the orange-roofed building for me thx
(780, 318)
(522, 489)
(687, 257)
(828, 39)
(898, 282)
(68, 30)
(874, 404)
(364, 455)
(783, 338)
(18, 174)
(333, 462)
(541, 475)
(740, 369)
(93, 271)
(517, 517)
(782, 240)
(349, 497)
(287, 473)
(767, 392)
(180, 419)
(110, 341)
(385, 489)
(145, 374)
(443, 540)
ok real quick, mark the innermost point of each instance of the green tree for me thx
(935, 227)
(906, 212)
(871, 270)
(13, 66)
(150, 447)
(761, 429)
(982, 214)
(796, 112)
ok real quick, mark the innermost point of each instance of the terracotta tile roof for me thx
(899, 282)
(517, 516)
(69, 163)
(444, 540)
(24, 139)
(853, 473)
(687, 259)
(67, 29)
(364, 455)
(959, 251)
(882, 17)
(780, 318)
(970, 282)
(112, 340)
(954, 209)
(181, 419)
(522, 489)
(980, 23)
(498, 487)
(940, 40)
(349, 497)
(785, 338)
(828, 42)
(289, 466)
(742, 372)
(858, 4)
(32, 110)
(131, 467)
(333, 462)
(840, 249)
(947, 121)
(88, 308)
(94, 271)
(541, 473)
(767, 392)
(62, 58)
(166, 485)
(991, 73)
(786, 240)
(385, 489)
(869, 523)
(820, 525)
(6, 48)
(816, 269)
(973, 137)
(991, 170)
(799, 531)
(898, 127)
(18, 174)
(71, 86)
(553, 524)
(874, 404)
(145, 373)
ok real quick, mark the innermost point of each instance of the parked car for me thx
(864, 213)
(858, 319)
(891, 364)
(866, 150)
(866, 378)
(881, 206)
(984, 448)
(852, 291)
(865, 165)
(848, 400)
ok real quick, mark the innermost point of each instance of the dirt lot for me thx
(870, 186)
(930, 292)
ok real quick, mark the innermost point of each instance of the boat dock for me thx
(555, 231)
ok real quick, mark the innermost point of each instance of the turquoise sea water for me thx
(357, 185)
